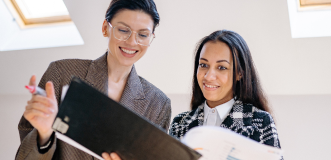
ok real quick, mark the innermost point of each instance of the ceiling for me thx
(286, 66)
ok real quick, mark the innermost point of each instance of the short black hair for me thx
(147, 6)
(248, 89)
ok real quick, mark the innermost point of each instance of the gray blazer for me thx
(139, 95)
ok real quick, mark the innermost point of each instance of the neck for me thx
(116, 71)
(213, 104)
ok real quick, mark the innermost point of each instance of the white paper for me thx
(64, 91)
(77, 145)
(217, 143)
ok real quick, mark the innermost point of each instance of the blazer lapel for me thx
(97, 74)
(239, 119)
(193, 119)
(133, 96)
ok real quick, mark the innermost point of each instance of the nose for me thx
(132, 39)
(210, 75)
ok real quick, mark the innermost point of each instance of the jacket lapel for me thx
(133, 96)
(193, 119)
(239, 119)
(97, 74)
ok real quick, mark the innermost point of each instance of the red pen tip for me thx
(30, 88)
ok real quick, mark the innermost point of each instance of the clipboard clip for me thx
(60, 126)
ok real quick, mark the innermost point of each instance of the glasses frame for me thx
(131, 34)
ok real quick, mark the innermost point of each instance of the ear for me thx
(105, 28)
(239, 76)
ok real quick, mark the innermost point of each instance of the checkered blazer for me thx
(243, 119)
(139, 95)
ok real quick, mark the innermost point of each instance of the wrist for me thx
(43, 137)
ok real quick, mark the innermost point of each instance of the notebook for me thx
(94, 123)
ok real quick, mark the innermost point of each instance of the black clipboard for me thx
(91, 119)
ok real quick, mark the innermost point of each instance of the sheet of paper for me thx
(222, 144)
(75, 144)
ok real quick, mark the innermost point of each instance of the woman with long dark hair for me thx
(227, 91)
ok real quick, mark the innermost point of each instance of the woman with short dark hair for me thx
(227, 91)
(129, 27)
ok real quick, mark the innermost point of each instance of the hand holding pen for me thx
(41, 109)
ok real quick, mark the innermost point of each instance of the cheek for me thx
(112, 42)
(226, 80)
(200, 75)
(143, 49)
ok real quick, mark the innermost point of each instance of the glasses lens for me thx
(122, 33)
(145, 38)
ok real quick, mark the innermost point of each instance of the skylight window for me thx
(42, 8)
(314, 2)
(40, 11)
(314, 5)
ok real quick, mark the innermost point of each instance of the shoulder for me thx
(66, 68)
(262, 117)
(72, 64)
(266, 132)
(152, 91)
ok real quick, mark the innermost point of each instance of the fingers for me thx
(32, 81)
(111, 156)
(106, 156)
(31, 113)
(114, 156)
(40, 107)
(50, 90)
(43, 100)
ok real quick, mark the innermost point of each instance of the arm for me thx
(165, 115)
(269, 135)
(29, 135)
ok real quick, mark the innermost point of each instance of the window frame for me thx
(24, 22)
(311, 6)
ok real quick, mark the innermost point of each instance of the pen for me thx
(36, 90)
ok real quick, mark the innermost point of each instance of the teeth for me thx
(128, 51)
(210, 86)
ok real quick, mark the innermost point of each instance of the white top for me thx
(215, 116)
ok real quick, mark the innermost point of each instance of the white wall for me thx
(286, 66)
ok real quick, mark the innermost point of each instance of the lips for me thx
(210, 86)
(128, 52)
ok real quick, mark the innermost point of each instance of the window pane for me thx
(42, 8)
(314, 2)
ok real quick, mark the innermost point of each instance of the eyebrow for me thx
(130, 27)
(219, 61)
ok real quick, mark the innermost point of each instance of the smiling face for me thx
(126, 53)
(215, 73)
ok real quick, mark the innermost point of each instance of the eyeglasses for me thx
(123, 33)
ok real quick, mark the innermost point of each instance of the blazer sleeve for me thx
(165, 114)
(266, 132)
(28, 134)
(270, 134)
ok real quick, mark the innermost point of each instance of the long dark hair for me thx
(147, 6)
(248, 88)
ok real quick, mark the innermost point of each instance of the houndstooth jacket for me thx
(243, 119)
(139, 95)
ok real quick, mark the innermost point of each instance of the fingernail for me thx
(112, 155)
(47, 115)
(51, 110)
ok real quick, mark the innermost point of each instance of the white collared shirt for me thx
(215, 116)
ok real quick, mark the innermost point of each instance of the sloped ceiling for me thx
(286, 66)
